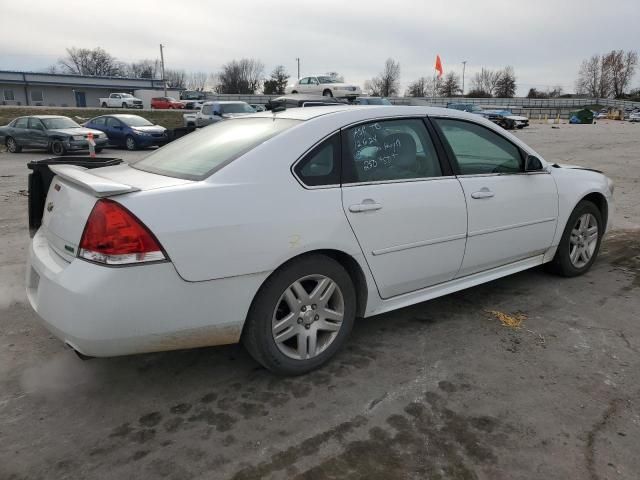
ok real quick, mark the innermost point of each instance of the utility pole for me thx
(164, 82)
(464, 66)
(298, 60)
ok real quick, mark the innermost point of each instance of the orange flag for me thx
(439, 66)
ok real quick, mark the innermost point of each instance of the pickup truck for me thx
(120, 100)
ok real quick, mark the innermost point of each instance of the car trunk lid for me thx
(74, 192)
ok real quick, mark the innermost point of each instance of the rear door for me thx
(406, 208)
(20, 131)
(37, 134)
(512, 214)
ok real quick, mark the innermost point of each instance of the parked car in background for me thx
(192, 95)
(465, 107)
(371, 101)
(297, 100)
(189, 119)
(166, 103)
(258, 107)
(192, 104)
(212, 112)
(324, 85)
(120, 100)
(634, 117)
(602, 115)
(58, 135)
(279, 229)
(129, 131)
(506, 119)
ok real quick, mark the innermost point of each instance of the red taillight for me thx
(114, 236)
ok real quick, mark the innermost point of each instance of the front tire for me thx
(327, 93)
(12, 145)
(301, 316)
(580, 242)
(130, 143)
(124, 105)
(57, 148)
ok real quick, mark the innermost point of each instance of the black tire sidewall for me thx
(53, 148)
(258, 336)
(561, 260)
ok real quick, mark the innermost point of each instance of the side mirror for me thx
(532, 164)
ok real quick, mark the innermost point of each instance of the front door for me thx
(512, 214)
(406, 209)
(81, 99)
(115, 131)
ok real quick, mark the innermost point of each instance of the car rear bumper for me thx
(105, 311)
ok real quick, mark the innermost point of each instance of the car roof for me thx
(223, 102)
(365, 112)
(45, 116)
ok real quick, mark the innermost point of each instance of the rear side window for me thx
(199, 154)
(389, 150)
(479, 150)
(321, 166)
(99, 121)
(21, 123)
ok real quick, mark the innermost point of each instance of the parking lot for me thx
(439, 390)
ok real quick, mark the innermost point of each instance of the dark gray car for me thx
(49, 132)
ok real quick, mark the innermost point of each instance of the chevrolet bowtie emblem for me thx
(49, 206)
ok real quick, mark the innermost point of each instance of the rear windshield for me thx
(199, 154)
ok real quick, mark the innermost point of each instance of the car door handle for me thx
(366, 206)
(482, 193)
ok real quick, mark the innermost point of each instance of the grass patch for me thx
(166, 118)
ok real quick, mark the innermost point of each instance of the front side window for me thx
(35, 124)
(304, 81)
(479, 150)
(113, 122)
(37, 96)
(199, 154)
(321, 166)
(389, 150)
(8, 95)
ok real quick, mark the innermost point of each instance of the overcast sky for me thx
(544, 40)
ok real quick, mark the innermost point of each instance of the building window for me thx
(8, 95)
(37, 96)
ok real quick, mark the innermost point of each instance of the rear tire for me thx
(57, 148)
(12, 145)
(104, 105)
(130, 143)
(294, 91)
(124, 105)
(580, 242)
(301, 316)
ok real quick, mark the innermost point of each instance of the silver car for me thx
(212, 112)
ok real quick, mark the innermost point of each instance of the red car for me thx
(166, 102)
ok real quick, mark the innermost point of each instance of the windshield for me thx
(199, 154)
(135, 121)
(378, 101)
(327, 80)
(236, 108)
(59, 122)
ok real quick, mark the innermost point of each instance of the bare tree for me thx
(506, 84)
(197, 81)
(485, 81)
(85, 61)
(278, 81)
(241, 76)
(336, 76)
(589, 76)
(144, 69)
(622, 65)
(176, 79)
(450, 86)
(418, 88)
(386, 83)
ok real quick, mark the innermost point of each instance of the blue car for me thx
(129, 131)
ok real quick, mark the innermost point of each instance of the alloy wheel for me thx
(583, 240)
(131, 143)
(11, 145)
(308, 317)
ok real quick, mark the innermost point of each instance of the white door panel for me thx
(412, 233)
(510, 217)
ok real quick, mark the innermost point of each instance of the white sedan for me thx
(324, 85)
(279, 229)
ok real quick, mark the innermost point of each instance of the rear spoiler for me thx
(83, 177)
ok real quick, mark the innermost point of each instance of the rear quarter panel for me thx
(249, 217)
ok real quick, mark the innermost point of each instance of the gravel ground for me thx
(438, 390)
